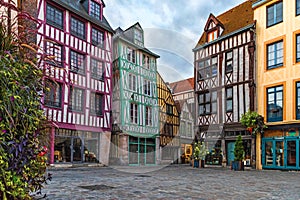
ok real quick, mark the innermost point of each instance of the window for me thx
(207, 68)
(76, 99)
(229, 101)
(169, 109)
(97, 69)
(146, 61)
(95, 10)
(77, 62)
(168, 129)
(298, 100)
(275, 55)
(274, 103)
(77, 28)
(130, 55)
(98, 38)
(207, 103)
(138, 37)
(54, 16)
(55, 50)
(133, 113)
(228, 62)
(297, 7)
(212, 35)
(274, 14)
(53, 94)
(147, 87)
(132, 82)
(148, 116)
(96, 103)
(298, 48)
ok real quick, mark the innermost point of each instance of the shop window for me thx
(275, 55)
(275, 104)
(274, 14)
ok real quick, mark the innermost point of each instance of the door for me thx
(230, 152)
(77, 150)
(291, 153)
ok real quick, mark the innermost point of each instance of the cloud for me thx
(171, 27)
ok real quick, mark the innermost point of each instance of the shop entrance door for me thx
(291, 153)
(77, 150)
(230, 152)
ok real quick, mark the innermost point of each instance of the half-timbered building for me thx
(78, 39)
(224, 82)
(169, 124)
(135, 138)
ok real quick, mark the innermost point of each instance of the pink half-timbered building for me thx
(78, 100)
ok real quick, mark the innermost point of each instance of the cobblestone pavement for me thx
(171, 182)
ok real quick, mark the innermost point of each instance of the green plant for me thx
(199, 151)
(254, 122)
(239, 149)
(22, 122)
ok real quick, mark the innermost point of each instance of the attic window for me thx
(212, 35)
(95, 9)
(138, 37)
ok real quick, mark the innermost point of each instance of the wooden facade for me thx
(224, 82)
(135, 104)
(78, 77)
(169, 123)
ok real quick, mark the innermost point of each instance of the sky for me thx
(172, 28)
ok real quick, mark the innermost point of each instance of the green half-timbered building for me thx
(135, 137)
(169, 124)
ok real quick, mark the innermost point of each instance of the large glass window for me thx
(97, 69)
(297, 7)
(95, 9)
(97, 37)
(77, 28)
(207, 68)
(53, 94)
(275, 104)
(274, 14)
(96, 103)
(208, 103)
(55, 51)
(275, 55)
(298, 100)
(229, 101)
(134, 113)
(77, 62)
(54, 16)
(76, 99)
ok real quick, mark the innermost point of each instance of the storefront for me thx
(141, 151)
(281, 152)
(71, 146)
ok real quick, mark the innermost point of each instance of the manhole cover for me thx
(97, 187)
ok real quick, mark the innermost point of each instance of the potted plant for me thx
(239, 153)
(254, 122)
(199, 154)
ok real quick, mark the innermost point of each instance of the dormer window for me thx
(95, 9)
(212, 35)
(138, 37)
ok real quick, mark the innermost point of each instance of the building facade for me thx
(169, 148)
(224, 83)
(183, 94)
(78, 77)
(135, 139)
(278, 81)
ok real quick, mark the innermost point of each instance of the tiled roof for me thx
(182, 85)
(233, 19)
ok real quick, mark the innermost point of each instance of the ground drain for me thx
(142, 175)
(97, 187)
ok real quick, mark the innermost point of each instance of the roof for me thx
(77, 8)
(233, 20)
(182, 85)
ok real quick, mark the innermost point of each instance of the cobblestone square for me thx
(170, 182)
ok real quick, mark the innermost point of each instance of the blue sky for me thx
(172, 28)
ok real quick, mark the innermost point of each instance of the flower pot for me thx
(196, 163)
(237, 165)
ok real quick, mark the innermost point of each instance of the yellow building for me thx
(278, 81)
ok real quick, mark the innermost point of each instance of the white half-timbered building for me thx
(224, 60)
(78, 76)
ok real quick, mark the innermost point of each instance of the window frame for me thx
(274, 9)
(297, 48)
(297, 100)
(229, 62)
(96, 39)
(147, 87)
(206, 66)
(148, 116)
(56, 50)
(55, 99)
(95, 72)
(54, 20)
(96, 12)
(169, 109)
(75, 97)
(76, 29)
(75, 59)
(96, 105)
(132, 82)
(131, 55)
(229, 98)
(134, 113)
(276, 93)
(276, 52)
(297, 7)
